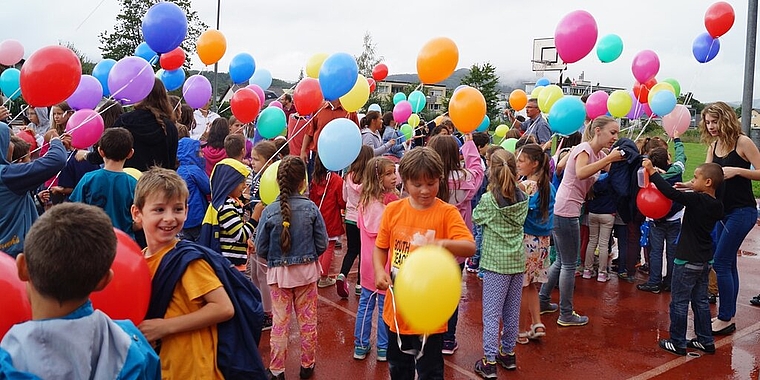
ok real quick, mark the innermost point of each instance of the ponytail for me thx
(502, 179)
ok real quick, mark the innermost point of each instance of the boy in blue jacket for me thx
(192, 170)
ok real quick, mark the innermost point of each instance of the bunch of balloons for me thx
(719, 19)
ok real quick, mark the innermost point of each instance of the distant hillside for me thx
(225, 82)
(451, 82)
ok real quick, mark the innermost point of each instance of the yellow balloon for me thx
(619, 103)
(414, 120)
(427, 288)
(136, 174)
(438, 120)
(659, 87)
(548, 96)
(357, 97)
(314, 64)
(501, 130)
(268, 189)
(535, 93)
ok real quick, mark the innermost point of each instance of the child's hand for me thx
(56, 190)
(647, 164)
(153, 329)
(382, 280)
(684, 185)
(44, 196)
(616, 155)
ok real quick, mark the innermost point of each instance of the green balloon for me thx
(609, 48)
(509, 144)
(407, 130)
(675, 84)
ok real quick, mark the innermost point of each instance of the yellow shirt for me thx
(192, 354)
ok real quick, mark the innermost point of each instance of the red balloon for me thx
(719, 19)
(245, 105)
(16, 307)
(50, 76)
(172, 60)
(307, 96)
(641, 91)
(652, 203)
(380, 72)
(127, 296)
(372, 84)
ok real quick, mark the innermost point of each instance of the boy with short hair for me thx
(694, 256)
(407, 224)
(68, 255)
(234, 146)
(110, 188)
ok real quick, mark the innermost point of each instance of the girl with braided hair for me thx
(291, 236)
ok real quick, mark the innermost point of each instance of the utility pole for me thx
(749, 67)
(216, 65)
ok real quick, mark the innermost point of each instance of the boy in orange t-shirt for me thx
(409, 223)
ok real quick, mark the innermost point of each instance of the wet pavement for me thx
(620, 341)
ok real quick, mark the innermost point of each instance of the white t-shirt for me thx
(201, 123)
(572, 191)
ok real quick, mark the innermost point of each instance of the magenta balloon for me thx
(401, 111)
(677, 120)
(637, 109)
(647, 110)
(645, 65)
(276, 103)
(596, 104)
(130, 80)
(259, 91)
(575, 36)
(85, 127)
(11, 52)
(196, 91)
(87, 95)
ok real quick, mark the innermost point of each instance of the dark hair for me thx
(282, 147)
(234, 145)
(290, 174)
(420, 163)
(320, 172)
(659, 157)
(369, 117)
(69, 250)
(651, 143)
(513, 133)
(219, 130)
(448, 149)
(116, 143)
(387, 118)
(110, 110)
(357, 167)
(571, 140)
(520, 118)
(481, 139)
(157, 102)
(20, 148)
(287, 97)
(187, 119)
(176, 103)
(713, 172)
(437, 130)
(64, 106)
(525, 140)
(265, 149)
(182, 131)
(533, 152)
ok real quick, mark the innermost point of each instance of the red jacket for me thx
(328, 196)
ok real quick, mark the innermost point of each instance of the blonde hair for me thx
(372, 180)
(729, 128)
(160, 181)
(501, 173)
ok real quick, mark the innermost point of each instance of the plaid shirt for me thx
(502, 250)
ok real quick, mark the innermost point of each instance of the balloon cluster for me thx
(719, 19)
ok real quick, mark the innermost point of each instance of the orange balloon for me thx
(437, 60)
(518, 99)
(467, 109)
(211, 46)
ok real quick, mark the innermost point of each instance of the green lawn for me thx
(695, 155)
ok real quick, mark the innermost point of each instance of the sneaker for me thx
(625, 277)
(706, 348)
(587, 274)
(754, 301)
(341, 286)
(326, 282)
(508, 361)
(449, 346)
(644, 268)
(306, 372)
(472, 265)
(602, 277)
(713, 299)
(360, 352)
(670, 347)
(358, 290)
(267, 325)
(653, 288)
(272, 376)
(480, 275)
(382, 355)
(573, 320)
(549, 308)
(485, 369)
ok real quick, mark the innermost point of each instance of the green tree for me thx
(122, 40)
(368, 59)
(694, 103)
(87, 63)
(483, 77)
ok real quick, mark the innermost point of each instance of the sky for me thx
(282, 35)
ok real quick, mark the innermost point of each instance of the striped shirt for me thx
(234, 232)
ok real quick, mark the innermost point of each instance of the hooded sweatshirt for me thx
(153, 146)
(327, 195)
(351, 194)
(503, 250)
(191, 169)
(17, 210)
(212, 156)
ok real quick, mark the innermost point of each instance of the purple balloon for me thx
(645, 65)
(637, 109)
(196, 91)
(575, 36)
(87, 95)
(402, 111)
(276, 103)
(259, 91)
(130, 80)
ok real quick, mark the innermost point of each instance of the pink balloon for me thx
(575, 36)
(87, 95)
(677, 120)
(11, 52)
(637, 109)
(596, 104)
(85, 128)
(401, 111)
(259, 91)
(276, 103)
(645, 65)
(647, 110)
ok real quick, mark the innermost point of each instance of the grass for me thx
(695, 155)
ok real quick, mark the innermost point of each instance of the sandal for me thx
(523, 337)
(537, 330)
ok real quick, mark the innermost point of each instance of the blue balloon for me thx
(101, 71)
(418, 100)
(337, 76)
(262, 78)
(164, 27)
(662, 103)
(484, 124)
(542, 82)
(398, 97)
(705, 48)
(567, 115)
(374, 107)
(145, 52)
(173, 79)
(242, 67)
(339, 144)
(10, 83)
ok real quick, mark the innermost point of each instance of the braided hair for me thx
(290, 176)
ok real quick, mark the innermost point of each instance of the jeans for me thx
(567, 241)
(477, 232)
(363, 327)
(599, 230)
(629, 248)
(728, 236)
(690, 285)
(451, 332)
(353, 250)
(662, 238)
(403, 365)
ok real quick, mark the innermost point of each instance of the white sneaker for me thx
(326, 282)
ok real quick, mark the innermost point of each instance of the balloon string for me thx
(10, 97)
(417, 354)
(24, 108)
(325, 192)
(114, 93)
(72, 154)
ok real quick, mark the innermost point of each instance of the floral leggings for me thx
(303, 300)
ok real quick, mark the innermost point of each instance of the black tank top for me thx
(737, 191)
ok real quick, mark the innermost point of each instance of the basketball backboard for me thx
(545, 57)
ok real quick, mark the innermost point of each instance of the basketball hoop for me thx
(540, 67)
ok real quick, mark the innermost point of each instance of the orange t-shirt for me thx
(403, 229)
(191, 354)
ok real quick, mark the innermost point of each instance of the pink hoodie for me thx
(351, 195)
(464, 184)
(369, 223)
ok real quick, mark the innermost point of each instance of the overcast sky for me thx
(282, 35)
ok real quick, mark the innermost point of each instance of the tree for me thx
(122, 40)
(87, 63)
(368, 59)
(483, 77)
(694, 103)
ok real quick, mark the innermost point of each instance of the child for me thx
(482, 140)
(501, 212)
(68, 255)
(694, 256)
(191, 169)
(237, 128)
(418, 220)
(533, 164)
(291, 237)
(111, 188)
(21, 155)
(214, 149)
(601, 220)
(234, 147)
(379, 189)
(326, 191)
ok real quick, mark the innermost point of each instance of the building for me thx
(754, 120)
(435, 93)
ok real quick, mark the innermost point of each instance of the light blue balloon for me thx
(567, 115)
(398, 97)
(261, 77)
(418, 100)
(271, 122)
(461, 86)
(339, 144)
(337, 76)
(145, 52)
(609, 48)
(101, 71)
(375, 107)
(543, 82)
(10, 83)
(172, 79)
(242, 67)
(484, 124)
(662, 103)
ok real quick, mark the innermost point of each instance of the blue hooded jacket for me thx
(191, 169)
(17, 210)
